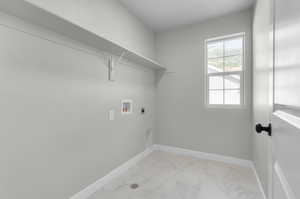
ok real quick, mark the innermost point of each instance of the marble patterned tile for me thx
(163, 175)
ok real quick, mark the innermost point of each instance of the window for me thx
(225, 70)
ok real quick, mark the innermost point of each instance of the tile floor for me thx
(163, 175)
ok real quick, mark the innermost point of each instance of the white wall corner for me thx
(216, 157)
(91, 189)
(203, 155)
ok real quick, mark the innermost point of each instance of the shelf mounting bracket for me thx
(120, 58)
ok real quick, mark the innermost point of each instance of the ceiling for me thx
(161, 15)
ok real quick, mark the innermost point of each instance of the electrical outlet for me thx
(111, 115)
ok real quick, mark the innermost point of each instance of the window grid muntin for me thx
(221, 74)
(225, 56)
(225, 73)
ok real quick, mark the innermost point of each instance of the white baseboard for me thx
(258, 181)
(216, 157)
(202, 155)
(91, 189)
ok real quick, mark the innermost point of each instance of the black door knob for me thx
(259, 129)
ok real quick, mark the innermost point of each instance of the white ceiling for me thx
(164, 14)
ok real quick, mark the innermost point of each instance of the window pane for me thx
(234, 46)
(232, 81)
(215, 65)
(215, 49)
(232, 96)
(216, 82)
(216, 97)
(233, 63)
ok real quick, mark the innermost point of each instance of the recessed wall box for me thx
(126, 106)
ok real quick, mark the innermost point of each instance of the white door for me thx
(286, 116)
(263, 89)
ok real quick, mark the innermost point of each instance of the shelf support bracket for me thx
(112, 64)
(120, 58)
(111, 70)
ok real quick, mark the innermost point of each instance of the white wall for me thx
(107, 18)
(55, 137)
(183, 119)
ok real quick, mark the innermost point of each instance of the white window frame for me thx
(241, 73)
